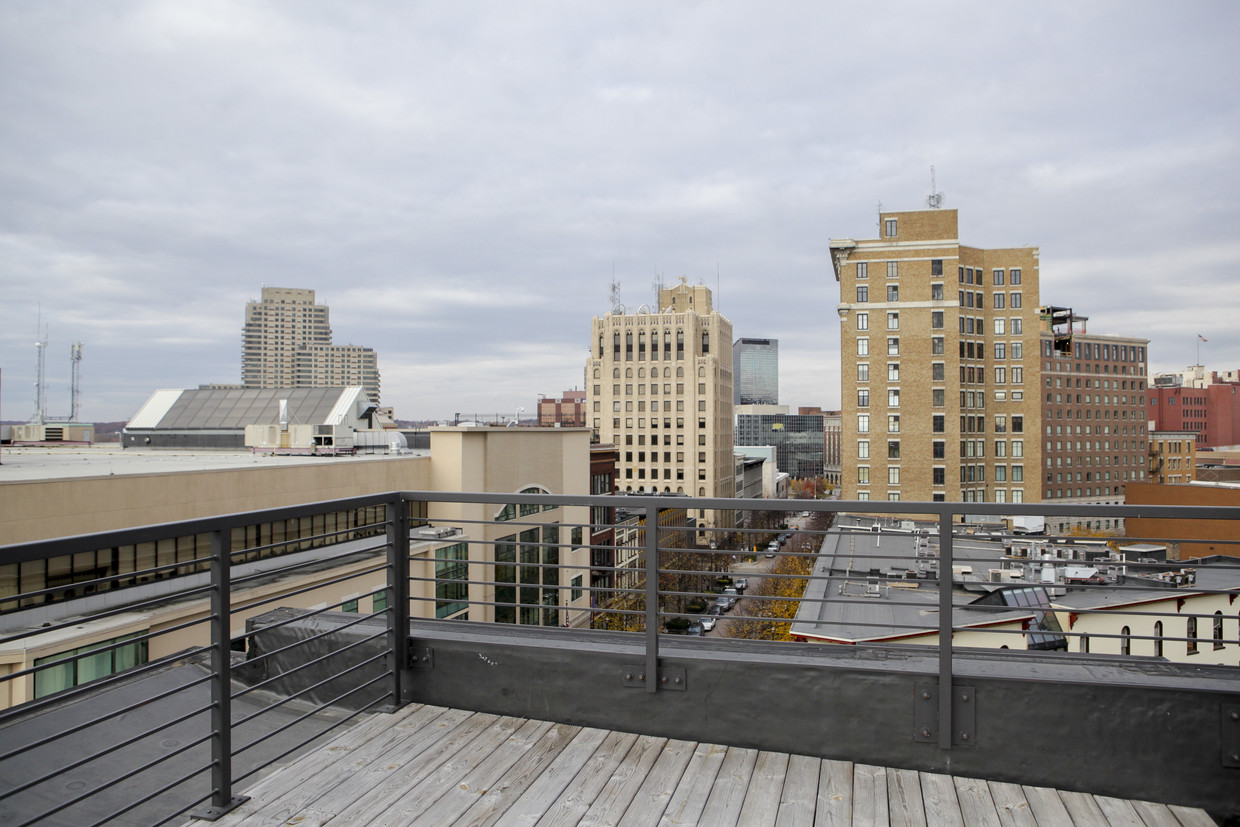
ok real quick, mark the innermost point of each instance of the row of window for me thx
(967, 275)
(1191, 643)
(654, 345)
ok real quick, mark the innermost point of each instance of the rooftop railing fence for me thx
(149, 693)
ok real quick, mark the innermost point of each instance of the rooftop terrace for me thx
(443, 721)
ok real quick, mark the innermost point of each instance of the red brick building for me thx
(569, 411)
(1209, 406)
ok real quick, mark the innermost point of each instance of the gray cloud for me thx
(459, 182)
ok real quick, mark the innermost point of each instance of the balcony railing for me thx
(156, 671)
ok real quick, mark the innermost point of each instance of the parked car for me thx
(741, 584)
(708, 623)
(713, 609)
(694, 629)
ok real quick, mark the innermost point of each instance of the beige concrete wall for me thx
(58, 508)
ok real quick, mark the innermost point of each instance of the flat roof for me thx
(40, 464)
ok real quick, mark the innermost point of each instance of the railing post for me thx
(652, 598)
(398, 595)
(222, 799)
(945, 629)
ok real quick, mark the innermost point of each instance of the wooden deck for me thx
(434, 766)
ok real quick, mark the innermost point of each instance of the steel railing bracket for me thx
(670, 677)
(926, 715)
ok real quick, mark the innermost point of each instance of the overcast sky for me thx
(459, 181)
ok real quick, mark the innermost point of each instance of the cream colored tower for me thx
(287, 343)
(659, 386)
(939, 352)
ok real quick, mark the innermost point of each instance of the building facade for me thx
(939, 344)
(287, 343)
(798, 440)
(755, 364)
(1173, 457)
(659, 387)
(1192, 400)
(1095, 438)
(569, 411)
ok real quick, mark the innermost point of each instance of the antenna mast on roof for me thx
(614, 292)
(935, 199)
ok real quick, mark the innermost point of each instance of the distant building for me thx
(569, 411)
(959, 385)
(798, 439)
(660, 389)
(1192, 400)
(755, 365)
(1094, 425)
(1172, 457)
(198, 419)
(287, 343)
(939, 344)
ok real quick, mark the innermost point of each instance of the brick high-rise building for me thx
(940, 350)
(287, 343)
(659, 386)
(1093, 411)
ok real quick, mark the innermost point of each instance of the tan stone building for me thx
(1173, 457)
(287, 343)
(659, 387)
(469, 561)
(940, 360)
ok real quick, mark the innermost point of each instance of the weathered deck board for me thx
(434, 766)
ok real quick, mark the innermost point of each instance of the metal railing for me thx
(190, 683)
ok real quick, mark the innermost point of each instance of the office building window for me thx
(863, 423)
(893, 371)
(863, 449)
(1000, 325)
(863, 321)
(936, 266)
(998, 301)
(939, 397)
(1015, 276)
(893, 449)
(863, 269)
(863, 293)
(863, 475)
(1018, 326)
(893, 345)
(863, 398)
(863, 346)
(936, 345)
(893, 398)
(1015, 301)
(1000, 350)
(863, 371)
(893, 475)
(893, 270)
(938, 423)
(893, 321)
(936, 292)
(936, 319)
(1018, 350)
(998, 278)
(890, 227)
(936, 372)
(893, 292)
(940, 475)
(939, 449)
(893, 424)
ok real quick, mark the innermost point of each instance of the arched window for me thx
(1192, 635)
(1158, 639)
(1125, 641)
(1218, 630)
(1085, 643)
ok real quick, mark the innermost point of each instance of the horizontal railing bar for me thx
(95, 685)
(317, 709)
(346, 647)
(149, 765)
(55, 736)
(319, 734)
